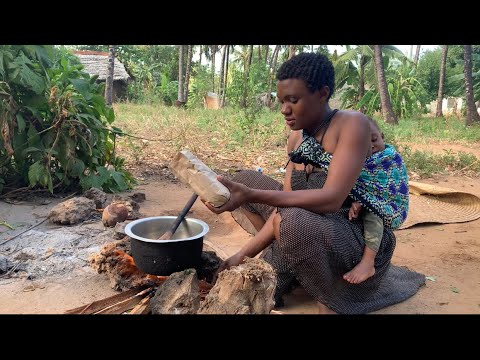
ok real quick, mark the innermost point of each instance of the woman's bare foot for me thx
(359, 273)
(323, 309)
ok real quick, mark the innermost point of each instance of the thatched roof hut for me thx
(96, 63)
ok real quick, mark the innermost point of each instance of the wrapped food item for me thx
(193, 172)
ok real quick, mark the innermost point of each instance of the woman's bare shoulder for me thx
(294, 138)
(352, 119)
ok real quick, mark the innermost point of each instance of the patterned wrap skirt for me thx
(318, 249)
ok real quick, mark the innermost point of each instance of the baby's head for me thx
(378, 143)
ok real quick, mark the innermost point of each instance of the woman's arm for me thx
(348, 158)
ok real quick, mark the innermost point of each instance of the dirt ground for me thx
(449, 254)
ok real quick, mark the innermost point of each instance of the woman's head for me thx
(315, 69)
(305, 83)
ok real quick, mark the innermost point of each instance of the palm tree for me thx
(213, 51)
(441, 82)
(225, 75)
(109, 80)
(355, 66)
(291, 51)
(189, 70)
(221, 84)
(417, 55)
(180, 97)
(272, 72)
(387, 111)
(472, 114)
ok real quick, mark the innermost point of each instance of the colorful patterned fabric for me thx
(382, 187)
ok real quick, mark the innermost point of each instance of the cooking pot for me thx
(164, 257)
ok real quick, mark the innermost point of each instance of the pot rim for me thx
(128, 229)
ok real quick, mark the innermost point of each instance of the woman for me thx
(306, 223)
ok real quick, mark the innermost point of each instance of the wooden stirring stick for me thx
(168, 235)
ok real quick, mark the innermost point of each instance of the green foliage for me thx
(428, 71)
(458, 81)
(154, 69)
(200, 85)
(407, 95)
(58, 123)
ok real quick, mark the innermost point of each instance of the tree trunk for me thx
(188, 72)
(361, 80)
(472, 114)
(201, 52)
(291, 51)
(441, 82)
(180, 98)
(243, 100)
(267, 48)
(417, 55)
(109, 80)
(273, 66)
(259, 53)
(222, 77)
(225, 77)
(387, 111)
(214, 50)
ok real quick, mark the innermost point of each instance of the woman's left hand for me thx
(239, 194)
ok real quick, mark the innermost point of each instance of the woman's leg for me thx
(255, 219)
(323, 309)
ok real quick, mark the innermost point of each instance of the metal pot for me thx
(164, 257)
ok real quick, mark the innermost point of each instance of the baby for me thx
(373, 224)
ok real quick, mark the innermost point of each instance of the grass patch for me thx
(423, 130)
(260, 139)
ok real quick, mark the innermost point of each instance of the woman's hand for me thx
(239, 195)
(233, 260)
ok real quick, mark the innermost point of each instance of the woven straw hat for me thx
(435, 204)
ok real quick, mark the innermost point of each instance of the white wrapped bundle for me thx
(203, 181)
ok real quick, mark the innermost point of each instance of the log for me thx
(248, 288)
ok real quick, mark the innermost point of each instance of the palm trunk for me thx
(291, 51)
(441, 82)
(243, 100)
(214, 50)
(188, 72)
(472, 114)
(273, 66)
(180, 98)
(417, 55)
(225, 77)
(361, 81)
(109, 80)
(387, 111)
(222, 77)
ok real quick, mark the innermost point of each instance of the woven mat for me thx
(435, 204)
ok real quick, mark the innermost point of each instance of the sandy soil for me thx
(448, 254)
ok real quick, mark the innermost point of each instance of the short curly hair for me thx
(315, 69)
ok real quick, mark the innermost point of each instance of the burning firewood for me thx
(121, 269)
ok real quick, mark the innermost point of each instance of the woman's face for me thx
(301, 108)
